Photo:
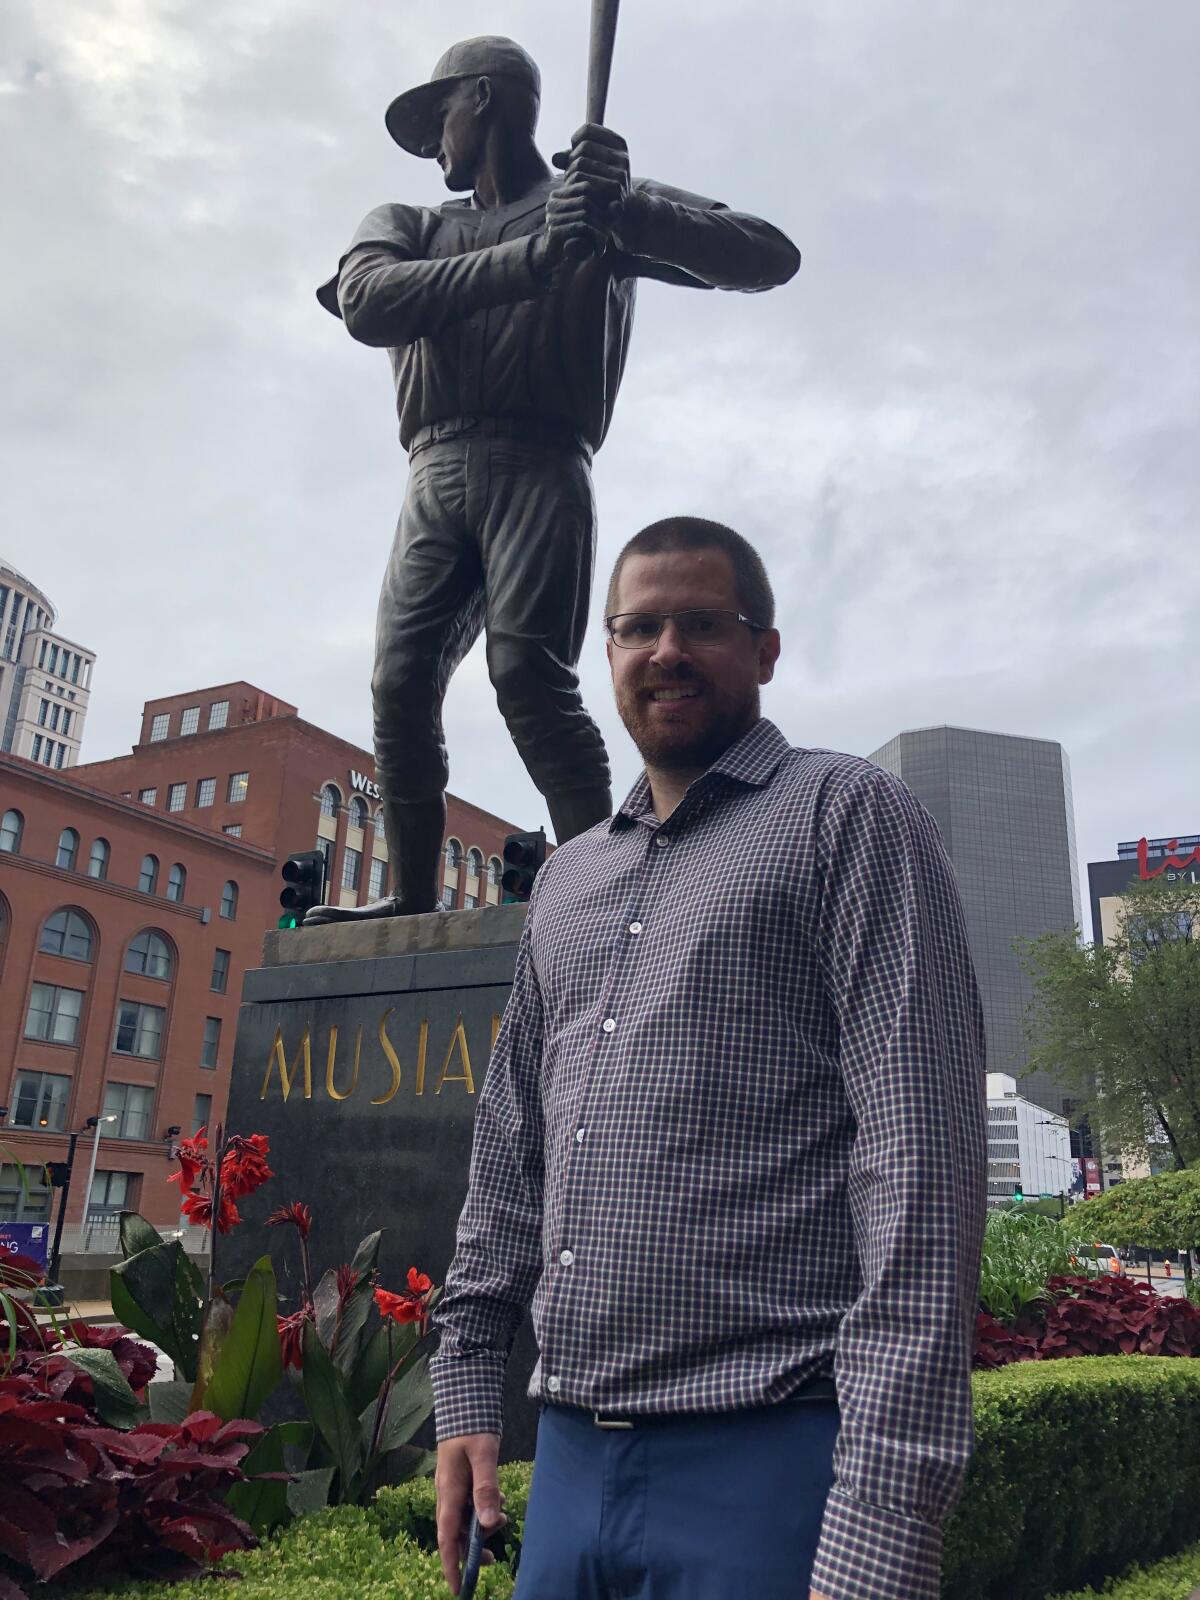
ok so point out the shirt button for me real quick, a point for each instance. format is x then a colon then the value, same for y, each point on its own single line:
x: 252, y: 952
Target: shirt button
x: 608, y: 1024
x: 554, y: 1384
x: 635, y: 927
x: 567, y: 1257
x: 579, y: 1135
x: 661, y: 840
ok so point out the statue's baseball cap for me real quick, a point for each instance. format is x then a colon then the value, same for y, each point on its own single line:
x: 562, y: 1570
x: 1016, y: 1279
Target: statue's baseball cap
x: 412, y: 116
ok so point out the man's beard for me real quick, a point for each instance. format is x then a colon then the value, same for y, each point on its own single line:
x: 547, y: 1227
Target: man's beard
x: 691, y: 746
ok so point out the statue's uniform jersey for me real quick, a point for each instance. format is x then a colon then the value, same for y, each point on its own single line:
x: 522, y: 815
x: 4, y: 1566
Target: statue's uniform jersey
x: 472, y: 331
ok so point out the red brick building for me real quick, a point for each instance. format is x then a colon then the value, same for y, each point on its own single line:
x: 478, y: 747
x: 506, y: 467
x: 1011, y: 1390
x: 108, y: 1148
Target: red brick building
x: 134, y: 894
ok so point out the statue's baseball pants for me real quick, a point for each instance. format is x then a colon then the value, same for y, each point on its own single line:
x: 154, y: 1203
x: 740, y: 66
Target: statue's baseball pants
x: 496, y: 534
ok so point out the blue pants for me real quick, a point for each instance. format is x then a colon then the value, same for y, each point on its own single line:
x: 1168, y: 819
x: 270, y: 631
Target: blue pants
x: 696, y: 1508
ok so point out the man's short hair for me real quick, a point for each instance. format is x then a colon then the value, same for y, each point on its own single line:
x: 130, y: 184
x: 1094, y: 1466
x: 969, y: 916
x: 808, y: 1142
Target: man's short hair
x: 754, y: 594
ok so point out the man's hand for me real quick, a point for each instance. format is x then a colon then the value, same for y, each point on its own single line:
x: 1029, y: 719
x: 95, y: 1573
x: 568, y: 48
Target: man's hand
x: 813, y: 1595
x: 596, y: 196
x: 466, y: 1477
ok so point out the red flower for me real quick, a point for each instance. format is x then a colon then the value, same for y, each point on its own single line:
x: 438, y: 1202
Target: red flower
x: 244, y: 1166
x: 193, y: 1160
x: 197, y: 1208
x: 298, y: 1214
x: 418, y: 1282
x: 347, y: 1280
x: 291, y: 1336
x: 400, y: 1307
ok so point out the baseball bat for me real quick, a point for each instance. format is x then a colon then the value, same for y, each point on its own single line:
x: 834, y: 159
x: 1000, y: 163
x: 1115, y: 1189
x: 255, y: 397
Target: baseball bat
x: 600, y: 58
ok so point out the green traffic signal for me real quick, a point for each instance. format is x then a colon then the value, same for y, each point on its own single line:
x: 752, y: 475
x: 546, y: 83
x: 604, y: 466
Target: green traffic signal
x: 1018, y: 1195
x: 286, y: 921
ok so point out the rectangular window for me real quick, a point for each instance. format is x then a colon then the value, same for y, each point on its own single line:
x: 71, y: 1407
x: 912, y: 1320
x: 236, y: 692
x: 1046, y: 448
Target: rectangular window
x: 41, y: 1101
x: 211, y: 1042
x: 50, y: 748
x: 148, y: 797
x: 24, y: 1202
x: 60, y: 755
x: 233, y: 829
x: 351, y: 869
x: 177, y: 797
x: 139, y: 1030
x: 53, y: 1013
x: 54, y: 717
x: 75, y: 666
x: 53, y: 663
x: 132, y: 1105
x: 201, y: 1112
x: 66, y: 722
x: 160, y: 727
x: 189, y: 720
x: 239, y: 782
x: 470, y: 901
x: 218, y: 714
x: 111, y: 1192
x: 206, y: 791
x: 43, y: 713
x: 220, y: 971
x: 375, y: 884
x: 37, y: 747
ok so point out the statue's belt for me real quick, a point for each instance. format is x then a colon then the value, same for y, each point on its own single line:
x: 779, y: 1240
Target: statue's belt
x: 550, y: 431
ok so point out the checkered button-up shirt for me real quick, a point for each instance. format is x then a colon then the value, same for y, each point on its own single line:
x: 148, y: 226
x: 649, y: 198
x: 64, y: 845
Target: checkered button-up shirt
x: 732, y: 1137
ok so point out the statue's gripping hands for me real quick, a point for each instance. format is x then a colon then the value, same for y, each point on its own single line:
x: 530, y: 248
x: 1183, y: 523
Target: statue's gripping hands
x: 507, y: 354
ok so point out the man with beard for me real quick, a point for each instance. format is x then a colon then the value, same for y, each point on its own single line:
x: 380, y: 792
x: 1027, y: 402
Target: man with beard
x: 731, y: 1146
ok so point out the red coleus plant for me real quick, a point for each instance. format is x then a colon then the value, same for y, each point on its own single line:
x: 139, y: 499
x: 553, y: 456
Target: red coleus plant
x: 79, y: 1497
x: 1103, y: 1316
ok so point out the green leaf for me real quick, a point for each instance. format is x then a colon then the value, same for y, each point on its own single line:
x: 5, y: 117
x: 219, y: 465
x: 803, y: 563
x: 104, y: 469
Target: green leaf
x: 116, y: 1402
x: 310, y: 1492
x: 137, y: 1234
x: 248, y: 1366
x: 325, y: 1300
x: 405, y: 1462
x: 331, y: 1413
x: 366, y: 1257
x: 262, y: 1502
x: 159, y: 1293
x: 375, y: 1362
x: 214, y: 1330
x: 409, y: 1402
x: 168, y: 1401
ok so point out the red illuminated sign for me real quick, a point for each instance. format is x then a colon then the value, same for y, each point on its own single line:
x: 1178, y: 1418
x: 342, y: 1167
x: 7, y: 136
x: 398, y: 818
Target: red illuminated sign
x: 1171, y: 860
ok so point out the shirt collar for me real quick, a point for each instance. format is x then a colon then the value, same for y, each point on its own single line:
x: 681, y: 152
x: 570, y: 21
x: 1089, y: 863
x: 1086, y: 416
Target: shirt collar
x: 751, y: 760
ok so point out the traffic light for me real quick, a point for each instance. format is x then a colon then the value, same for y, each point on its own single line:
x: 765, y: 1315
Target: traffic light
x: 304, y: 886
x: 524, y: 853
x: 59, y: 1173
x: 1018, y: 1195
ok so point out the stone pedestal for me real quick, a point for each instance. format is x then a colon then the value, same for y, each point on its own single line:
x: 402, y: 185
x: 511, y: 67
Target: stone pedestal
x: 361, y: 1049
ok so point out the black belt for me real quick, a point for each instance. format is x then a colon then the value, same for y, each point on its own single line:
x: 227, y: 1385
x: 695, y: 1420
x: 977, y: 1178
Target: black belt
x: 816, y: 1389
x: 527, y: 430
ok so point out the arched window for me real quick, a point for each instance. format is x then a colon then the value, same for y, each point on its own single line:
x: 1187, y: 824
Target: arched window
x: 474, y: 862
x: 66, y: 933
x: 380, y: 830
x: 12, y: 825
x: 229, y: 900
x: 148, y: 876
x: 453, y: 852
x: 176, y: 881
x: 358, y: 812
x: 150, y: 954
x: 98, y: 860
x: 68, y: 850
x: 331, y: 800
x: 495, y: 871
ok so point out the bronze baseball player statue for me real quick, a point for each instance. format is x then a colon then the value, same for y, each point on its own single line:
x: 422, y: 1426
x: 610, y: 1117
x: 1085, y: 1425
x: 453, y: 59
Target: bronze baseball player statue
x: 506, y: 316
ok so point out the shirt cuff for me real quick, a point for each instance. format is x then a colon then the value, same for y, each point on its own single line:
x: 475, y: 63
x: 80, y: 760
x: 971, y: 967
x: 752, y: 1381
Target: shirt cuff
x: 867, y: 1553
x: 468, y: 1394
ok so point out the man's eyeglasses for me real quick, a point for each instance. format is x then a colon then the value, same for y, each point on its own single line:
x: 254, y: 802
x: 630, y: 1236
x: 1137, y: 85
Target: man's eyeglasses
x: 640, y: 630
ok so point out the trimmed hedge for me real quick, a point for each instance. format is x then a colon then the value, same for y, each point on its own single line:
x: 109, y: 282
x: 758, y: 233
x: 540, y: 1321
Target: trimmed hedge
x: 1174, y: 1579
x: 1082, y: 1468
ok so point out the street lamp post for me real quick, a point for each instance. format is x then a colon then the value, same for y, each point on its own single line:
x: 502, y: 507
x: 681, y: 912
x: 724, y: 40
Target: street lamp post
x: 92, y: 1122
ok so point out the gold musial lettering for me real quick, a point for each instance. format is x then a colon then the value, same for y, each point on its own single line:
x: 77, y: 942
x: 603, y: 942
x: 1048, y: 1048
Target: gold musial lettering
x: 297, y: 1073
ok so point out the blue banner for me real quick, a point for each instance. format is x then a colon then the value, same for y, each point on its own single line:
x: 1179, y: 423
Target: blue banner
x: 26, y: 1239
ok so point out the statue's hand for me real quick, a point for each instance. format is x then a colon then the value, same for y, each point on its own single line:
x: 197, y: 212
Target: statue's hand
x: 597, y: 194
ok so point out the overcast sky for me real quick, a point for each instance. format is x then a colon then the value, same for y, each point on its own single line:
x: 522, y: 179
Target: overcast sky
x: 965, y: 437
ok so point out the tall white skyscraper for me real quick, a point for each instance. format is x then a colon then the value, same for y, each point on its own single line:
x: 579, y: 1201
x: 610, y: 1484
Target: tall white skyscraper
x: 45, y: 678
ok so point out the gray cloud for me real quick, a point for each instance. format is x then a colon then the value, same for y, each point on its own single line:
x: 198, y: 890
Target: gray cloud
x: 964, y: 437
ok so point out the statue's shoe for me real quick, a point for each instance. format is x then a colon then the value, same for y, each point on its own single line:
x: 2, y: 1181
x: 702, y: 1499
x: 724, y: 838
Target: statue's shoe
x: 390, y: 906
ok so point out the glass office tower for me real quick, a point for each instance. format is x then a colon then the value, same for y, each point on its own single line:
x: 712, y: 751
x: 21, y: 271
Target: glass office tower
x: 1004, y: 806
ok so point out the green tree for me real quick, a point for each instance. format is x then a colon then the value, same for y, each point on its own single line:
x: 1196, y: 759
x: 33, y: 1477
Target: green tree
x: 1161, y: 1213
x: 1119, y: 1023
